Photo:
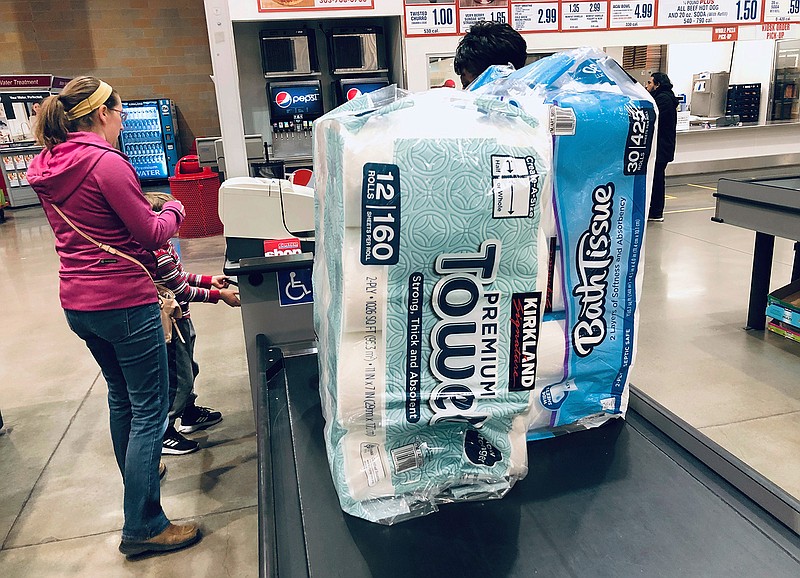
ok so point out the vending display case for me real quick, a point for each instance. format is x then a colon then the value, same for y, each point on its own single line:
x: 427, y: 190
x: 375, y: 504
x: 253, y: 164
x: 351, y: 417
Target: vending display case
x: 150, y: 138
x: 14, y: 162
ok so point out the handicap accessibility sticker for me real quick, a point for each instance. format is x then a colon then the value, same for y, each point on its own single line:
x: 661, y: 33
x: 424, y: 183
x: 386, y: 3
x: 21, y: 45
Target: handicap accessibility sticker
x: 294, y: 287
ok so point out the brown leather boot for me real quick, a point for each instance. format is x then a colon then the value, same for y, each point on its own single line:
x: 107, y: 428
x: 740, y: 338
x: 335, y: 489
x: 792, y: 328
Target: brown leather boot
x: 174, y: 537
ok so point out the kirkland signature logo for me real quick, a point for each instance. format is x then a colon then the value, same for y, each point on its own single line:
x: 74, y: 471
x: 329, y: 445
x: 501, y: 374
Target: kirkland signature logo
x: 284, y: 100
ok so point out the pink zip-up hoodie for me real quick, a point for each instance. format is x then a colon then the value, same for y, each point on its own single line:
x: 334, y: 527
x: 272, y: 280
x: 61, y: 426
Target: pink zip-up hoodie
x: 97, y: 188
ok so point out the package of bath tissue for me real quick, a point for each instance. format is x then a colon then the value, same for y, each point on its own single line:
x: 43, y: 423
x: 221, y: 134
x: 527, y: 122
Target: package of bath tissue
x: 602, y: 175
x: 428, y: 296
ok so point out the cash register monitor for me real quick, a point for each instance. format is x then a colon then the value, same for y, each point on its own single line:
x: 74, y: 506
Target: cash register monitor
x: 350, y: 88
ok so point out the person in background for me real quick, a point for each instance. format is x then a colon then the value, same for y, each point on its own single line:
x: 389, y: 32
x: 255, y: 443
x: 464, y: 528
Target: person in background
x: 108, y: 301
x: 183, y: 369
x: 37, y: 106
x: 660, y: 88
x: 485, y: 44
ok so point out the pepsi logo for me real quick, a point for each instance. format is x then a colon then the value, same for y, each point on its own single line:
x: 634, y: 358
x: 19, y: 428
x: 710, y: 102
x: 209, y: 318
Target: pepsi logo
x: 353, y: 93
x: 283, y: 99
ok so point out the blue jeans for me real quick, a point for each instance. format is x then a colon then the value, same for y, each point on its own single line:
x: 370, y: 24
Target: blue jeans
x: 129, y: 346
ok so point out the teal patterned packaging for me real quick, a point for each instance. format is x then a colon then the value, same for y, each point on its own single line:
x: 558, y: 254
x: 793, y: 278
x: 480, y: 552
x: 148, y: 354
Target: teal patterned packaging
x: 428, y: 294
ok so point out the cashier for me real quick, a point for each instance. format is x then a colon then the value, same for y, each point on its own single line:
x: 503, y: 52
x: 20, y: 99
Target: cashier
x: 485, y: 44
x: 660, y: 88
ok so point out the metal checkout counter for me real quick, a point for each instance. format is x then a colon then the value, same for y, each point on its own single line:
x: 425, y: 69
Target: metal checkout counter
x: 771, y: 208
x: 624, y: 499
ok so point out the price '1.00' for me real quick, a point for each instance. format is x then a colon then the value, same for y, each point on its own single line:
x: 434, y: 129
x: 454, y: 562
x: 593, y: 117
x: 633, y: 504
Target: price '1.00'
x: 443, y: 17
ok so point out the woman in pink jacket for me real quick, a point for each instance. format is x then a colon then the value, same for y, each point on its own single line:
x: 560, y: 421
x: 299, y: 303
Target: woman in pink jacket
x: 110, y: 302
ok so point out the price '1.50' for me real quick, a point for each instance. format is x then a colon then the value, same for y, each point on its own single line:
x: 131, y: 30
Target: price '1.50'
x: 746, y: 9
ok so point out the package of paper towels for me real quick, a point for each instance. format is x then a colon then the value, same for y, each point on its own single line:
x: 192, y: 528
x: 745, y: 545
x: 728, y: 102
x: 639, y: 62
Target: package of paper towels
x: 428, y: 296
x: 602, y: 174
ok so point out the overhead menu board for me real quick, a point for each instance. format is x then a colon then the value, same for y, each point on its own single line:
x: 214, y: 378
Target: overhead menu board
x: 430, y: 19
x: 536, y: 16
x: 455, y: 17
x: 584, y: 16
x: 288, y: 5
x: 781, y: 10
x: 708, y: 12
x: 631, y: 14
x: 470, y: 16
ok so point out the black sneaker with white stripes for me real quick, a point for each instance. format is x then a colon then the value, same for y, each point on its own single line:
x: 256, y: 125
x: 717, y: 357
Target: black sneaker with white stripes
x: 196, y: 417
x: 177, y: 445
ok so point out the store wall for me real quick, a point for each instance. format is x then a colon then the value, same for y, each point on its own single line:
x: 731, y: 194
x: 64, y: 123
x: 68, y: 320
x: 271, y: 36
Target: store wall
x: 143, y: 48
x: 748, y: 62
x: 686, y: 60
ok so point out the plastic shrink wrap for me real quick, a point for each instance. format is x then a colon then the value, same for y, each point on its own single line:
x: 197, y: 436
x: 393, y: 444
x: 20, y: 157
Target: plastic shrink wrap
x: 428, y: 295
x: 602, y: 175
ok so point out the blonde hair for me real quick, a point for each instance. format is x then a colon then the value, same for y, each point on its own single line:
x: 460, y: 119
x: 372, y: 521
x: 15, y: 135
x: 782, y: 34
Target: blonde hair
x: 157, y: 200
x: 52, y: 126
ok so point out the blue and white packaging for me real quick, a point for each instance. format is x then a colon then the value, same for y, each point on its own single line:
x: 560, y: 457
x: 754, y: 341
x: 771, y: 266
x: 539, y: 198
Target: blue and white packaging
x: 428, y: 296
x: 492, y: 74
x: 602, y: 176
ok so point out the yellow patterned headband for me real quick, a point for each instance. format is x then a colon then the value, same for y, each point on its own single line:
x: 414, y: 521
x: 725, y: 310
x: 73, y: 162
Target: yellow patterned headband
x: 87, y: 105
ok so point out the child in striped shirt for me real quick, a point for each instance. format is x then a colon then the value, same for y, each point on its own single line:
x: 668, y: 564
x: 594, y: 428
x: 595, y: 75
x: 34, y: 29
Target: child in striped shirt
x: 183, y: 369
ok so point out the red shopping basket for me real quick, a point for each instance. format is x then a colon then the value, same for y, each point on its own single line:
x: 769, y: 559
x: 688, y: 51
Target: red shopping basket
x: 198, y: 189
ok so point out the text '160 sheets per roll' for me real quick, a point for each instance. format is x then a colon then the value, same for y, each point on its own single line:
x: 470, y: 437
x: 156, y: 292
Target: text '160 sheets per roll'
x: 428, y: 298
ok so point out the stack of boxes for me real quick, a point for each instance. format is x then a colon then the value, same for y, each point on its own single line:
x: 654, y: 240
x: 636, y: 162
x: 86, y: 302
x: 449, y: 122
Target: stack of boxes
x: 783, y: 311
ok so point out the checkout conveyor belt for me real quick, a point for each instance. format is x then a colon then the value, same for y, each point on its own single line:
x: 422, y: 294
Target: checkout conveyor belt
x: 619, y: 500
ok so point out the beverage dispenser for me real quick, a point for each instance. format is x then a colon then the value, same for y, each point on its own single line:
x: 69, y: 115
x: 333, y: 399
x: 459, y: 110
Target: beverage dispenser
x: 293, y: 106
x: 357, y: 49
x: 350, y: 88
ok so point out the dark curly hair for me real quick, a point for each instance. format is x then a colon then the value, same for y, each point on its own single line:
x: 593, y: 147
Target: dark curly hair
x: 661, y: 79
x: 489, y: 43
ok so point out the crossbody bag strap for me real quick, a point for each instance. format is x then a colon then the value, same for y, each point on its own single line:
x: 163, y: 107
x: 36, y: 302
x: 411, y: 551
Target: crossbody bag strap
x: 105, y: 247
x: 113, y: 251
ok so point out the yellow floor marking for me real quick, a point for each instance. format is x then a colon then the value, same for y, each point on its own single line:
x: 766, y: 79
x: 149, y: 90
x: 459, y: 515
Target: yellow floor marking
x: 691, y: 210
x: 701, y: 187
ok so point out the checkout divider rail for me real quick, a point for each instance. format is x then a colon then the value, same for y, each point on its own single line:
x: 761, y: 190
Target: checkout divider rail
x: 277, y: 471
x: 314, y: 538
x: 776, y: 501
x: 270, y: 370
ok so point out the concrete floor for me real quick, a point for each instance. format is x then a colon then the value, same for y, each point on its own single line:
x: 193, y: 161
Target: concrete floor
x: 740, y: 388
x: 60, y: 491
